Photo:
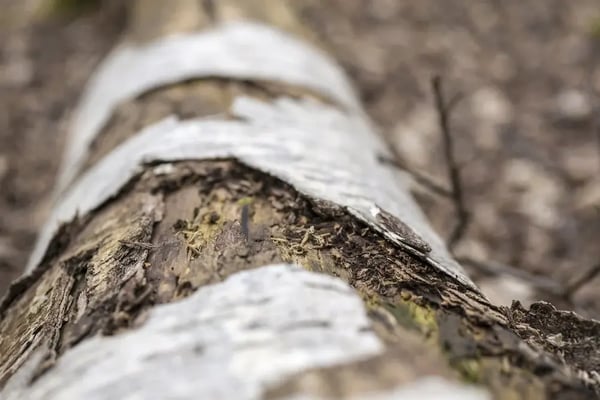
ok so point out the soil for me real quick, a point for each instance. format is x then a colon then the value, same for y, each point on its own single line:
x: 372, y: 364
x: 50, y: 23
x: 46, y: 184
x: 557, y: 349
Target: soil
x: 526, y: 131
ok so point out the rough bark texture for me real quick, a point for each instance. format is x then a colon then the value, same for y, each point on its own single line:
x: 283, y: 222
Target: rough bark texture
x: 172, y: 231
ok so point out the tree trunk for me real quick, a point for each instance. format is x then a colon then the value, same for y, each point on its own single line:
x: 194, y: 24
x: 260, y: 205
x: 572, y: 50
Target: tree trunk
x: 203, y: 168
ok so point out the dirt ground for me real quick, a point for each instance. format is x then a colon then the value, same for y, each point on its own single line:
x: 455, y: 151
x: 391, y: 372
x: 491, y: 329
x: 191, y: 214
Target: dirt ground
x: 526, y: 133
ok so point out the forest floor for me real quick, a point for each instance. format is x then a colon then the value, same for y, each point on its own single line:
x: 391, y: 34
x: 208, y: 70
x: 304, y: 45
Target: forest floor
x: 526, y: 132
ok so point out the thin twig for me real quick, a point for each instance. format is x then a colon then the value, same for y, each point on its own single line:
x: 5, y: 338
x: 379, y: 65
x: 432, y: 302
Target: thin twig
x: 419, y: 177
x: 596, y: 127
x: 453, y: 102
x: 541, y: 283
x: 577, y: 283
x: 491, y: 267
x: 443, y: 110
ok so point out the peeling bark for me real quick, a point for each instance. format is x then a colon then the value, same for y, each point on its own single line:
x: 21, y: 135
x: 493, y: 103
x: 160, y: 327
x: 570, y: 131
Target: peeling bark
x: 182, y: 229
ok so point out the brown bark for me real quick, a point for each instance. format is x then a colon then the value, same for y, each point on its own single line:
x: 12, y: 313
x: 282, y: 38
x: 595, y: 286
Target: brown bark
x: 166, y: 235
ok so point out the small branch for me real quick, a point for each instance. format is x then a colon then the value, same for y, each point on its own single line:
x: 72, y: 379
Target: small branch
x: 496, y: 268
x: 596, y: 123
x: 596, y: 127
x: 443, y: 110
x: 421, y: 178
x: 541, y: 283
x: 577, y: 283
x: 453, y: 102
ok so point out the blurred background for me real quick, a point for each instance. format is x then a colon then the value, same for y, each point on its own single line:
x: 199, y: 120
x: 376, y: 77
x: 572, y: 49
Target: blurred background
x: 526, y: 133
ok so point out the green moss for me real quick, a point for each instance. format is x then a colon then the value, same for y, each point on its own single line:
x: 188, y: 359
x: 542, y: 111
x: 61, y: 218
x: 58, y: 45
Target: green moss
x: 413, y: 316
x: 245, y: 201
x: 469, y: 369
x: 594, y: 28
x: 67, y: 8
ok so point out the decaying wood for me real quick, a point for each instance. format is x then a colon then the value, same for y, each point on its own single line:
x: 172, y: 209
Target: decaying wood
x: 172, y: 231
